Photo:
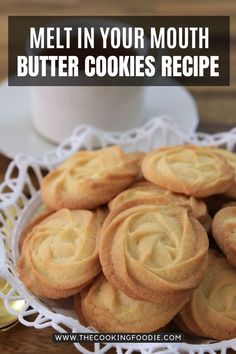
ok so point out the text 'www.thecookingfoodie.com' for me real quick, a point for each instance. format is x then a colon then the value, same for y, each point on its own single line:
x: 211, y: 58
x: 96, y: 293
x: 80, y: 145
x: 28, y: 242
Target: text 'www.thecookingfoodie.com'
x: 117, y: 337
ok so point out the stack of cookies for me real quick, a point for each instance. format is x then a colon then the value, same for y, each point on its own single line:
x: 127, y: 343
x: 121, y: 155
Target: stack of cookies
x: 128, y: 236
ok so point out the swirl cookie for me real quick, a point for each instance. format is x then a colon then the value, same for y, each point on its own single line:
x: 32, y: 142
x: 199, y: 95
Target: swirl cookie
x: 188, y: 169
x: 109, y: 310
x: 146, y: 190
x: 153, y: 253
x: 36, y: 220
x: 89, y: 179
x: 211, y: 311
x: 231, y: 159
x: 60, y: 254
x: 224, y: 232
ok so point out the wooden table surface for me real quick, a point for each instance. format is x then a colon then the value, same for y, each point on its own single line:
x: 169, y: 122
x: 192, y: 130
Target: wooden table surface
x: 217, y: 105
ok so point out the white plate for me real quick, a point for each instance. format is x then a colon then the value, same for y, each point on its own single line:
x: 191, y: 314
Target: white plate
x: 17, y: 134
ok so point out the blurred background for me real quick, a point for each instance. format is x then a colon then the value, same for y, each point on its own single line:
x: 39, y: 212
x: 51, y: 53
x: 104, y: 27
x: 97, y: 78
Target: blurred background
x: 217, y: 105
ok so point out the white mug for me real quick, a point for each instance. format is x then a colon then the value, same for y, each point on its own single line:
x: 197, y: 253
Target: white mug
x: 57, y: 110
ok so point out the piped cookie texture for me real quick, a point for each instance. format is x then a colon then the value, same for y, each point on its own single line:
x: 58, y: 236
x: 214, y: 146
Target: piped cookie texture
x: 211, y: 311
x: 224, y: 232
x: 153, y: 253
x: 188, y: 169
x: 109, y: 310
x: 230, y: 157
x: 141, y: 259
x: 89, y: 179
x: 36, y: 220
x: 60, y: 254
x: 146, y: 191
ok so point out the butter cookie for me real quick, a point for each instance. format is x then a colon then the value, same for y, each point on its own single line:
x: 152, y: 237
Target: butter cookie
x: 211, y: 311
x: 146, y: 190
x: 188, y: 169
x: 224, y: 232
x: 60, y: 254
x: 231, y: 159
x: 109, y: 310
x: 153, y: 253
x: 89, y: 179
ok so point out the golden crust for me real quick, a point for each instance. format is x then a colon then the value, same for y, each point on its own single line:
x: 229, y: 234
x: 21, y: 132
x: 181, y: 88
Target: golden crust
x: 36, y: 220
x: 109, y: 310
x: 211, y: 311
x: 153, y: 253
x: 60, y: 254
x: 146, y: 190
x: 224, y: 232
x: 188, y: 169
x: 231, y: 159
x: 89, y: 179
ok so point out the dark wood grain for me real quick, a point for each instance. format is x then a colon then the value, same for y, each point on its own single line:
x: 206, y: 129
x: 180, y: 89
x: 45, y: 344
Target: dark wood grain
x: 217, y: 105
x: 20, y: 339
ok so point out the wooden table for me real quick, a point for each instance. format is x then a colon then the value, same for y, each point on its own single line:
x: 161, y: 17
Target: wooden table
x: 217, y: 105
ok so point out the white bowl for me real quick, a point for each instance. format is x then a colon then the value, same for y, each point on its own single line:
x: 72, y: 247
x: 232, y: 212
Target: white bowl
x: 15, y: 215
